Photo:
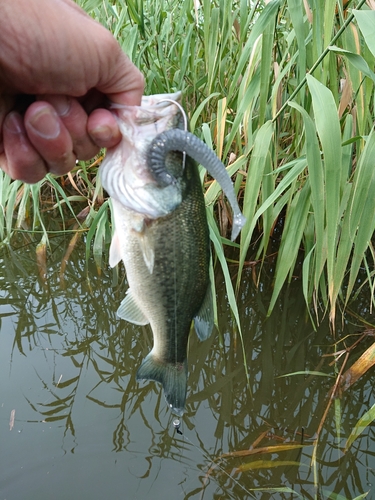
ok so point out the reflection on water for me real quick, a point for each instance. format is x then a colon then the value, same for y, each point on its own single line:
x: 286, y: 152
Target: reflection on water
x: 84, y: 428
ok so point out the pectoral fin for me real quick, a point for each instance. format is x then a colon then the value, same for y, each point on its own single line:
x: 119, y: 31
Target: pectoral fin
x: 115, y: 251
x: 130, y: 311
x: 145, y: 241
x: 204, y: 320
x: 147, y: 252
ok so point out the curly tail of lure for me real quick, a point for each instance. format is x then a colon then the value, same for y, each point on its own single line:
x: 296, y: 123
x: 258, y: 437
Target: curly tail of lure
x: 185, y: 142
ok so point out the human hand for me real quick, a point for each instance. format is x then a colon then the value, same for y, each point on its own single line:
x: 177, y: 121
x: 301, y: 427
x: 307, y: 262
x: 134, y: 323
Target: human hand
x: 58, y: 68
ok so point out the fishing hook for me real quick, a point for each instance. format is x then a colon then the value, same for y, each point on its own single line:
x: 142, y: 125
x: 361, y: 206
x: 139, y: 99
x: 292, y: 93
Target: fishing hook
x: 184, y: 117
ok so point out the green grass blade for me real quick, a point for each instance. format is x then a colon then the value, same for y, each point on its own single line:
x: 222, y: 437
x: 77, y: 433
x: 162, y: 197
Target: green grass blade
x: 198, y: 111
x: 307, y: 372
x: 216, y: 240
x: 101, y: 237
x: 297, y: 167
x: 316, y: 179
x: 362, y: 424
x: 331, y: 495
x: 214, y: 190
x: 366, y: 23
x: 361, y: 212
x: 295, y: 223
x: 24, y: 205
x: 358, y: 62
x: 265, y: 69
x: 297, y: 15
x: 59, y: 191
x: 243, y: 118
x: 328, y: 127
x: 10, y: 206
x: 97, y: 220
x: 266, y: 17
x: 255, y: 175
x: 4, y: 190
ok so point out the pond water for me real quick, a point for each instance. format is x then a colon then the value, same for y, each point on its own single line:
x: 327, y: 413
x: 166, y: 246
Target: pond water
x: 74, y: 422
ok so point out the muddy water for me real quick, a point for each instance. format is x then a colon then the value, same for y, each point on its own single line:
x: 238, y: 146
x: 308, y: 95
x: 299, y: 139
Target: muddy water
x: 74, y: 422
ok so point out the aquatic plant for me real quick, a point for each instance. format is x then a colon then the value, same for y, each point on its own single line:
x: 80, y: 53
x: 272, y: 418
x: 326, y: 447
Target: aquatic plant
x: 283, y: 92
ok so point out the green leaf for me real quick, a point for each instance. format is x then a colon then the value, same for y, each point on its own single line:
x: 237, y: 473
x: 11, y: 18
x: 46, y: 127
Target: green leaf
x: 297, y: 14
x: 362, y: 424
x: 357, y: 61
x: 328, y: 127
x: 267, y: 464
x: 366, y: 23
x: 318, y: 193
x: 362, y: 209
x: 214, y: 190
x: 199, y: 109
x: 94, y: 225
x: 216, y: 240
x: 295, y: 222
x: 266, y: 16
x: 296, y: 169
x: 307, y: 372
x: 331, y: 495
x: 255, y: 173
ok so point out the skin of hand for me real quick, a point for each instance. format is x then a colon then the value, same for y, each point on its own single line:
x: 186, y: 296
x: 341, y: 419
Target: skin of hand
x: 58, y: 69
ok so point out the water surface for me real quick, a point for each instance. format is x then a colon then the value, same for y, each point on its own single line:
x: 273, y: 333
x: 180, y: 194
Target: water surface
x: 85, y: 428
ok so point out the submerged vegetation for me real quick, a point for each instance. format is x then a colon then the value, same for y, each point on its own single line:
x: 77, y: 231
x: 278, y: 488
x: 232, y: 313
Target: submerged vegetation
x: 283, y: 92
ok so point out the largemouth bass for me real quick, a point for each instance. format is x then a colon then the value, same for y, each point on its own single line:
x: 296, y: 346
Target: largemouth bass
x: 162, y: 236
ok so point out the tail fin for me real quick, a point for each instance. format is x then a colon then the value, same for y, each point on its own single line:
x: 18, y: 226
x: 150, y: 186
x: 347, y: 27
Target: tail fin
x: 172, y: 376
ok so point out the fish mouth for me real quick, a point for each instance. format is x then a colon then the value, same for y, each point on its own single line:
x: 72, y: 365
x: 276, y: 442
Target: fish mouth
x: 154, y: 111
x: 124, y: 173
x: 157, y: 113
x: 160, y: 100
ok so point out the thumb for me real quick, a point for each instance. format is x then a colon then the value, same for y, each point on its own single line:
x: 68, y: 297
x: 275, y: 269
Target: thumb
x: 125, y: 84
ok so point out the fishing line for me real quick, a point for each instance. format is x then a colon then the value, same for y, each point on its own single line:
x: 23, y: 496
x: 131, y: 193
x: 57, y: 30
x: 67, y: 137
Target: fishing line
x: 181, y: 110
x: 176, y: 421
x: 177, y: 426
x: 185, y: 121
x: 175, y: 312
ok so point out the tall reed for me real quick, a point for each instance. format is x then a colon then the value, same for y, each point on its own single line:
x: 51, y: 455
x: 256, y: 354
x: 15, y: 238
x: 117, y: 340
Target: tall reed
x: 283, y: 92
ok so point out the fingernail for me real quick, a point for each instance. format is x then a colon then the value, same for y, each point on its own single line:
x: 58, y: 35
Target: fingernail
x: 102, y: 133
x: 62, y: 104
x: 13, y: 123
x: 45, y: 123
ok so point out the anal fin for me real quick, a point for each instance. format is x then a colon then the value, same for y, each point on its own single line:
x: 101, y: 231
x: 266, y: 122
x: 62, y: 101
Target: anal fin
x: 204, y: 320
